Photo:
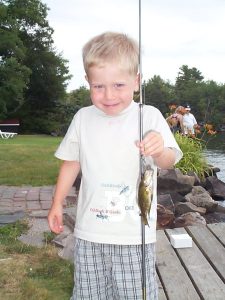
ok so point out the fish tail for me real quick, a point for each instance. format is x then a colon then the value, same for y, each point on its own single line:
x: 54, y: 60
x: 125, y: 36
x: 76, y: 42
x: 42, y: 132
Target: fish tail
x: 145, y: 219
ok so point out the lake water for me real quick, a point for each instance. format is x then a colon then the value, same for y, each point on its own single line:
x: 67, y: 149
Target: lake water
x: 215, y: 154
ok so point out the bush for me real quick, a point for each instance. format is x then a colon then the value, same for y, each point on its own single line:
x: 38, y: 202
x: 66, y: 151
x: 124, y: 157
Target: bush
x: 193, y: 159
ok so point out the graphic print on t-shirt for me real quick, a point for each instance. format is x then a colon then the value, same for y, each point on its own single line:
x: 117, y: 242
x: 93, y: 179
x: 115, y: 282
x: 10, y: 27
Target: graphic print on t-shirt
x: 118, y: 200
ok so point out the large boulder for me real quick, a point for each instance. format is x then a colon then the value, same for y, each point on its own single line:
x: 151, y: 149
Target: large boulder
x: 215, y: 187
x: 166, y: 201
x: 200, y: 197
x: 165, y: 217
x: 177, y: 197
x: 172, y: 180
x: 182, y: 208
x: 189, y: 219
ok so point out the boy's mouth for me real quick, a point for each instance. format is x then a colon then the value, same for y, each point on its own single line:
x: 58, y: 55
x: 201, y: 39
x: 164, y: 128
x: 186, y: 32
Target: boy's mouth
x: 111, y: 104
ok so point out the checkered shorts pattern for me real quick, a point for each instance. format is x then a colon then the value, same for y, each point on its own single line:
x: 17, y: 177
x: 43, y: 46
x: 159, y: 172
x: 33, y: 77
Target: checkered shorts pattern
x: 112, y: 272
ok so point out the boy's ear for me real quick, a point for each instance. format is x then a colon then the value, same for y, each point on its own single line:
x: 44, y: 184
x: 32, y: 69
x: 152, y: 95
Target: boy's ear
x: 86, y: 77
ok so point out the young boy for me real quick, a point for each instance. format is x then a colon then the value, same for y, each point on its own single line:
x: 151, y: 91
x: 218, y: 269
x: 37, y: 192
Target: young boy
x: 102, y: 141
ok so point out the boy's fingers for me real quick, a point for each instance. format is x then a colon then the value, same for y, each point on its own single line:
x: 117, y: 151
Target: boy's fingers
x: 55, y: 224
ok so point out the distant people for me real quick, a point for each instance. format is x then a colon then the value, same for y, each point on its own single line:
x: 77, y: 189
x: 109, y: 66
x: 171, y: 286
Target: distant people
x: 189, y: 122
x: 175, y: 121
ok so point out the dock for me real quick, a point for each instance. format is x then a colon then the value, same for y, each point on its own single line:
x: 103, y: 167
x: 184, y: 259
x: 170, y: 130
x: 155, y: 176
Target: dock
x: 197, y: 272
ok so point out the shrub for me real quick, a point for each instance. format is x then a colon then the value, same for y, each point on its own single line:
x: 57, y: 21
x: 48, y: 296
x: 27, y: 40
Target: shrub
x: 193, y: 159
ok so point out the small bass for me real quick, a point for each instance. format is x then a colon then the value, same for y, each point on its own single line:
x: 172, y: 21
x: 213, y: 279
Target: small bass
x: 145, y: 193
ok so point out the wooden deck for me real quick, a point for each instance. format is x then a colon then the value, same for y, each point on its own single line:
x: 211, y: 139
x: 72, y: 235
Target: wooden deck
x: 192, y: 273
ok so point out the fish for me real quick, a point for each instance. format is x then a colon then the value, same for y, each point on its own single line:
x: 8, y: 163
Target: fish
x: 145, y: 193
x: 124, y: 190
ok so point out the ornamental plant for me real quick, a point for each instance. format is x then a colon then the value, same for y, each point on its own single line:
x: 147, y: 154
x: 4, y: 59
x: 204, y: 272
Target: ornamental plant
x: 193, y: 158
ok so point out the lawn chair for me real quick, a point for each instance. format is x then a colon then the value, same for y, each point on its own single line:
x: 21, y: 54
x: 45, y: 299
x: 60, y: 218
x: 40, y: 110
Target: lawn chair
x: 6, y: 135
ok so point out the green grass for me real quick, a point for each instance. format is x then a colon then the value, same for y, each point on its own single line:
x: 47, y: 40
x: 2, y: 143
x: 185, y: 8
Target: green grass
x: 29, y: 160
x: 30, y: 273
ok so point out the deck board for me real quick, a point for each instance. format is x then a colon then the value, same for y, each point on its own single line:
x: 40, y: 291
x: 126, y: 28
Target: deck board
x: 175, y: 280
x: 192, y: 273
x: 213, y: 250
x: 219, y: 230
x: 162, y: 295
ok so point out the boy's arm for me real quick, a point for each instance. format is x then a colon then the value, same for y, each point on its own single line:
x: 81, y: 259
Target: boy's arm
x: 67, y: 175
x: 166, y: 159
x: 181, y: 125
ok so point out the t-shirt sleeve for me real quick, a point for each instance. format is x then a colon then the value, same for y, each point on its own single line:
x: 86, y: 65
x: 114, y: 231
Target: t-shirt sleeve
x: 69, y: 147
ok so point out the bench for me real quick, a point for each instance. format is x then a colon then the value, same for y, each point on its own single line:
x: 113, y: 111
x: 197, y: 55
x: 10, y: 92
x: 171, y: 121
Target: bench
x: 6, y: 135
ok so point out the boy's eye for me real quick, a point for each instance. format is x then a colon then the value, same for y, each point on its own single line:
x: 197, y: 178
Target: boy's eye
x: 119, y: 85
x: 97, y: 86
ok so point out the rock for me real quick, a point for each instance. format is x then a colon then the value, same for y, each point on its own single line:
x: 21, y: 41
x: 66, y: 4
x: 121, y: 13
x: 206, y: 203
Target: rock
x: 166, y: 201
x: 69, y: 217
x: 201, y: 198
x: 197, y: 179
x: 216, y: 217
x: 212, y: 171
x: 165, y: 217
x: 171, y: 180
x: 35, y: 234
x: 11, y: 218
x: 176, y: 197
x: 182, y: 208
x: 189, y: 219
x: 215, y: 187
x: 67, y: 252
x: 220, y: 208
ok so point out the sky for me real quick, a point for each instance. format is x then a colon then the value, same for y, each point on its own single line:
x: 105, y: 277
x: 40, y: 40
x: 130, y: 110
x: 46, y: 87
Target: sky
x: 173, y: 33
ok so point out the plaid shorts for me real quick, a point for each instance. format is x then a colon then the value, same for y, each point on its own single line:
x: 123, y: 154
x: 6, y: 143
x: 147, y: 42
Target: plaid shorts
x: 112, y: 272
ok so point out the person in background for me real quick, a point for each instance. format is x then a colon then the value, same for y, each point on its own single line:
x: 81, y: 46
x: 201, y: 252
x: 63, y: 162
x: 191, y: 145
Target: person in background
x: 189, y: 122
x: 175, y: 121
x: 103, y: 142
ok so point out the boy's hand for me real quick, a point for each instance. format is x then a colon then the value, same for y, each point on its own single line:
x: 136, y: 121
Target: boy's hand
x: 55, y: 218
x: 151, y: 145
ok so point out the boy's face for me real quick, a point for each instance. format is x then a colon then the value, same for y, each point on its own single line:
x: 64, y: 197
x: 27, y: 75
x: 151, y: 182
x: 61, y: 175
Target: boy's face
x: 111, y: 88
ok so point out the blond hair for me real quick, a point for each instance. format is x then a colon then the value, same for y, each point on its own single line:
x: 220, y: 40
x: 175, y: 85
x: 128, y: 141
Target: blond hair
x: 111, y: 47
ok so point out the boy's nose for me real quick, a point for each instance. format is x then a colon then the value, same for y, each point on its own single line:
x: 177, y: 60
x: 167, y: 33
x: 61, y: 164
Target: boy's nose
x: 109, y: 93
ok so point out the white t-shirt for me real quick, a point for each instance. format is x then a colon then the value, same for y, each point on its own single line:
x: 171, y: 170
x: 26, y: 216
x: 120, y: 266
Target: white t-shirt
x: 104, y: 145
x: 188, y: 122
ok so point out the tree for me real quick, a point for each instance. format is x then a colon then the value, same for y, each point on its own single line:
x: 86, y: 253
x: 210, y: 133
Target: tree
x: 79, y: 97
x: 159, y: 93
x: 14, y: 75
x: 187, y: 85
x: 46, y: 70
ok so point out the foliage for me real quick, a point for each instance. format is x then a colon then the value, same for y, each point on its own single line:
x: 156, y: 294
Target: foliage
x: 12, y: 231
x: 49, y: 237
x: 79, y: 97
x: 33, y: 76
x: 193, y: 159
x: 206, y: 98
x: 158, y: 93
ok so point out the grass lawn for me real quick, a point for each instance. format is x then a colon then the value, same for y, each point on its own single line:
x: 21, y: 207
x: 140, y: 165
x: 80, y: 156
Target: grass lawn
x: 30, y: 273
x: 29, y: 160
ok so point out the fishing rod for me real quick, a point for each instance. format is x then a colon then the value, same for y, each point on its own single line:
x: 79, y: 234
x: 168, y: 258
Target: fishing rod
x: 142, y: 164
